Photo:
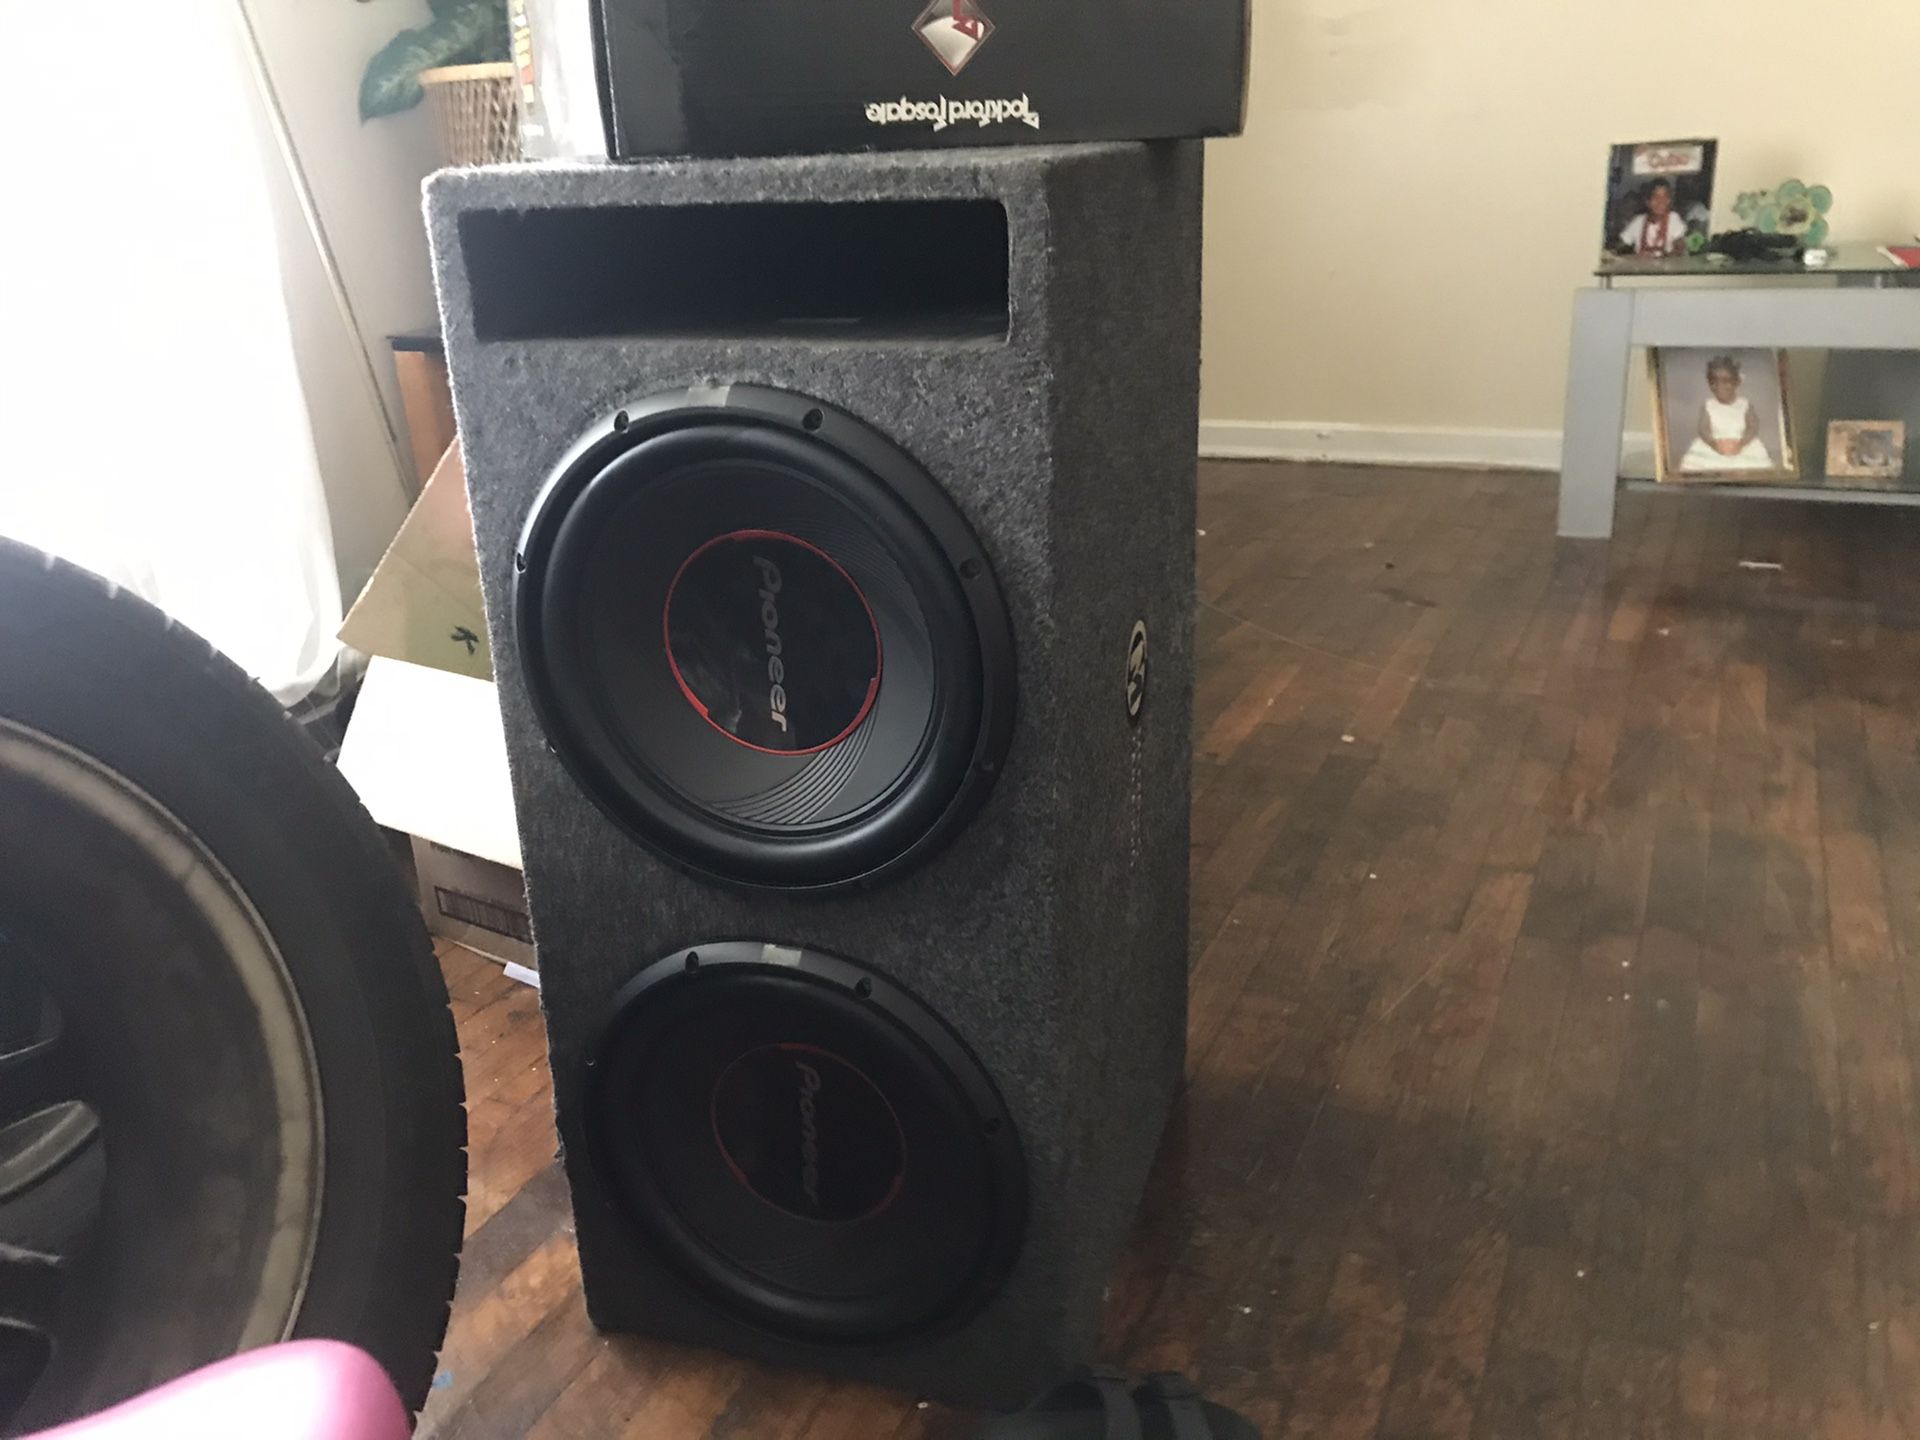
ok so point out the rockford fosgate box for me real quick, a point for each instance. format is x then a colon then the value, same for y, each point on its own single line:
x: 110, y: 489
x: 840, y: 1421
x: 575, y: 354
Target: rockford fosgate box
x: 764, y: 77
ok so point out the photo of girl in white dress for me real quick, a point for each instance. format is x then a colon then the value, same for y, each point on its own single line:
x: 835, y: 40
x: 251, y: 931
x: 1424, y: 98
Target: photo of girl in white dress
x: 1728, y: 437
x: 1722, y: 414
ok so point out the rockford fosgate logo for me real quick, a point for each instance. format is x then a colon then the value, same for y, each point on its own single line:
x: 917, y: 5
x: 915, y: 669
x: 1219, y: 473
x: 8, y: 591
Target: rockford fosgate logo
x: 809, y: 1132
x: 955, y: 31
x: 944, y: 112
x: 770, y: 619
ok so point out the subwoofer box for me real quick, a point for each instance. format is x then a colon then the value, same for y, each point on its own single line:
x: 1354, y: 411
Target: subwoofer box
x: 1023, y: 326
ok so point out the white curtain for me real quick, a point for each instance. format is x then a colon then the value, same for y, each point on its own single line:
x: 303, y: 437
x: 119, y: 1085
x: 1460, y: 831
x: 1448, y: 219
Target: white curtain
x: 152, y: 426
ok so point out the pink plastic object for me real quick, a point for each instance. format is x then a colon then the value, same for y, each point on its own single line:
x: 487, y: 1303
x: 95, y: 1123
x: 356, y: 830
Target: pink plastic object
x: 307, y: 1390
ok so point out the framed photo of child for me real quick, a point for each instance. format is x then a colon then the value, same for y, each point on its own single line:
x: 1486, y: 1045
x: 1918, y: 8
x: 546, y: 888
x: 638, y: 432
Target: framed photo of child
x: 1866, y: 454
x: 1659, y: 199
x: 1722, y: 414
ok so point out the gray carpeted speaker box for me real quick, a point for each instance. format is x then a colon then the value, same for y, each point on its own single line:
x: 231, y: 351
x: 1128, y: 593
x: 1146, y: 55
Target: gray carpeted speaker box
x: 1051, y: 932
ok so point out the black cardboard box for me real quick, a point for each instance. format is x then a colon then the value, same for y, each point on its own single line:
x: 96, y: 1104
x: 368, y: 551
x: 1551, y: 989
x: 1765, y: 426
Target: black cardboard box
x: 760, y: 77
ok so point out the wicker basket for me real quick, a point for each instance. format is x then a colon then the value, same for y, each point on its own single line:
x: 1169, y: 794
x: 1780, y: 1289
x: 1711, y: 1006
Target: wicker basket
x: 475, y: 112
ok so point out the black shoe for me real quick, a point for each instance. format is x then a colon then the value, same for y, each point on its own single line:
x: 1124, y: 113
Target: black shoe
x: 1096, y: 1404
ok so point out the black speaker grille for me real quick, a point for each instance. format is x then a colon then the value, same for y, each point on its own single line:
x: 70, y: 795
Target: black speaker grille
x: 807, y: 1142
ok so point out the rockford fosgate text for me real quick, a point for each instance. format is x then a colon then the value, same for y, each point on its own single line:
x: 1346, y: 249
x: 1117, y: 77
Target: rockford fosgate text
x: 944, y: 112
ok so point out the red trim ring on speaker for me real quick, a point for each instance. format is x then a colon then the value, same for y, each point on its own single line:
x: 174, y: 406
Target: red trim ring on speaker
x: 673, y: 664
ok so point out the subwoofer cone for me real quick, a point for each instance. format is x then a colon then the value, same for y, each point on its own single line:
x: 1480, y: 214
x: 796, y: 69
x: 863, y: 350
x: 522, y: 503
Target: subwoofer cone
x: 725, y: 655
x: 807, y: 1142
x: 764, y: 640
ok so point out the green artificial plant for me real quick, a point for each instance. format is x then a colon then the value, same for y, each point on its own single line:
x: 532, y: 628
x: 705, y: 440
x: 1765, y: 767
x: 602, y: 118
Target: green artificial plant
x: 461, y: 32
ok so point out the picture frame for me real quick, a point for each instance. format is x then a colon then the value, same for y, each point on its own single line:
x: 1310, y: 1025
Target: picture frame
x: 1659, y: 199
x: 1866, y: 454
x: 1722, y: 414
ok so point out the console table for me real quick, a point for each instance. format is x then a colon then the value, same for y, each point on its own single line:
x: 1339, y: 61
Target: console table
x: 1860, y: 301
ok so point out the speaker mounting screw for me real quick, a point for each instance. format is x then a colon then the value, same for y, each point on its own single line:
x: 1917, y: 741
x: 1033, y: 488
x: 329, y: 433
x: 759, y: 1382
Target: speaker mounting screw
x: 693, y: 961
x: 991, y: 1126
x: 520, y: 564
x: 813, y: 420
x: 864, y: 989
x: 970, y: 569
x: 620, y: 421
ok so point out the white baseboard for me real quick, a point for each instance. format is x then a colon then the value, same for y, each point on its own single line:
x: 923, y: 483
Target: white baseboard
x: 1348, y: 444
x: 1337, y: 443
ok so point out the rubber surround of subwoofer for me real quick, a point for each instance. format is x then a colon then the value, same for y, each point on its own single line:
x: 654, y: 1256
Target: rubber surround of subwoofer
x: 807, y: 1143
x: 763, y: 639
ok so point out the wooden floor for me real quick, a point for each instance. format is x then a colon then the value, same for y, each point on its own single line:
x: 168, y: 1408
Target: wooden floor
x: 1556, y: 996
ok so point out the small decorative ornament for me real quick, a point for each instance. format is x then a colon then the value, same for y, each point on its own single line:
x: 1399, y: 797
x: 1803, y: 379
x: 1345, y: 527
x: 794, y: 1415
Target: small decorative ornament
x: 1790, y: 208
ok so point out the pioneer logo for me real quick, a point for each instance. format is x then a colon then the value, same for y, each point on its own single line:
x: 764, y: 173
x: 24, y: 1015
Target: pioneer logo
x: 809, y: 1132
x: 770, y: 619
x: 944, y: 112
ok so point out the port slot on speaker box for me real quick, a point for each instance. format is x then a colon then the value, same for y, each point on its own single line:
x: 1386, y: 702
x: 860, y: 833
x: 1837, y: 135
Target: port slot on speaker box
x: 875, y: 270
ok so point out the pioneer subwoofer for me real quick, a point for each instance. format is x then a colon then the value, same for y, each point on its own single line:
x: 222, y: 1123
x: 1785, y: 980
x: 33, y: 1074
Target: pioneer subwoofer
x: 836, y: 526
x: 812, y: 1145
x: 707, y: 599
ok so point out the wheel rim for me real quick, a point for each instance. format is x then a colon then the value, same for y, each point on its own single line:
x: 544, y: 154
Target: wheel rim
x: 138, y: 984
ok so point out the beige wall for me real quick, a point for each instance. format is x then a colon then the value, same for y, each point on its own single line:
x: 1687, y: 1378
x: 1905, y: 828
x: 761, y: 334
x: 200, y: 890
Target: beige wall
x: 1394, y: 243
x: 1391, y: 248
x: 365, y: 183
